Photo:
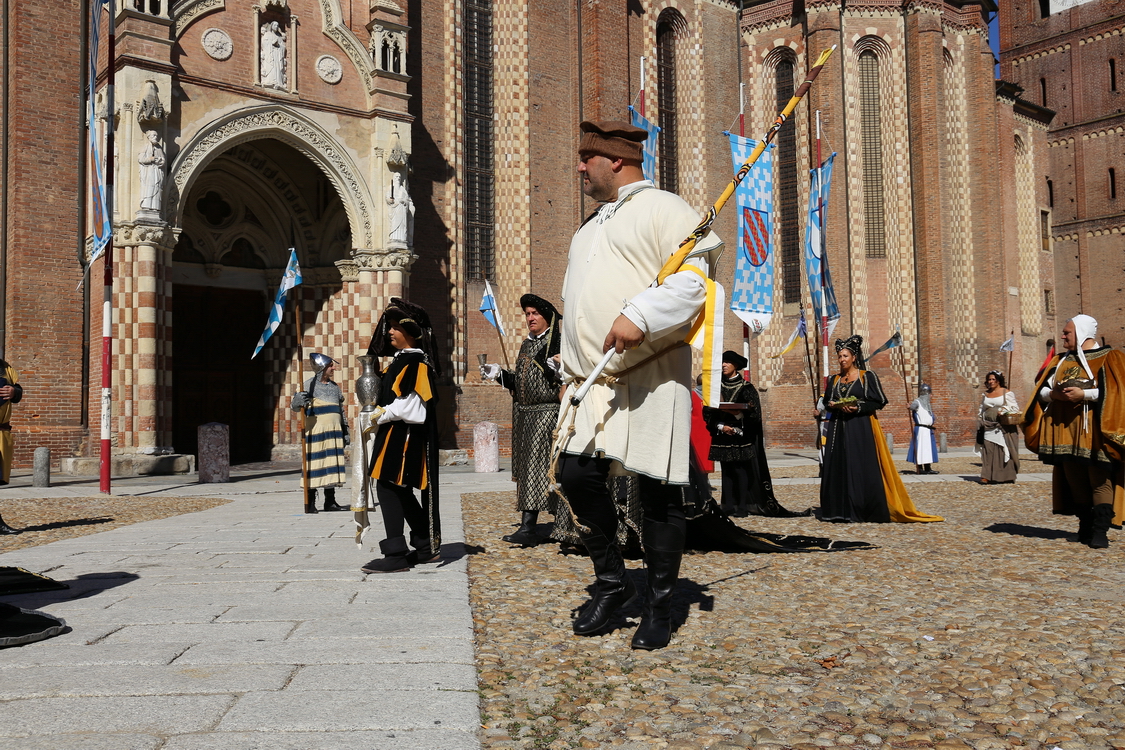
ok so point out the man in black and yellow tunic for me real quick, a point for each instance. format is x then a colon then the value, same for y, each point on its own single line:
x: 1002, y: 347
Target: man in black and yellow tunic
x: 1075, y: 421
x: 405, y: 449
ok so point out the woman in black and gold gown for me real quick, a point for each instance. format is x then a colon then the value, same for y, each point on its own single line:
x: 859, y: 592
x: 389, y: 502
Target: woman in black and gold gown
x: 859, y: 482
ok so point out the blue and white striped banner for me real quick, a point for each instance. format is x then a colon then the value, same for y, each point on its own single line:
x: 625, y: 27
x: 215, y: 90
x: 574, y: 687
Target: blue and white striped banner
x: 291, y: 279
x: 488, y: 307
x: 816, y: 265
x: 649, y: 163
x: 751, y: 296
x: 100, y: 214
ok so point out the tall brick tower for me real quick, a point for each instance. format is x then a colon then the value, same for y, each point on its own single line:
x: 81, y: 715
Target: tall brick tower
x: 1068, y: 55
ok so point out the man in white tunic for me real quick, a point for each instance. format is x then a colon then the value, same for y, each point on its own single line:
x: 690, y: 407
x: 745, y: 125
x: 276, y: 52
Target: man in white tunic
x: 637, y: 421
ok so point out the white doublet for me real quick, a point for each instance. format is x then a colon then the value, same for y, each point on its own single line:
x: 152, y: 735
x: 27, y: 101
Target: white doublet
x: 643, y: 421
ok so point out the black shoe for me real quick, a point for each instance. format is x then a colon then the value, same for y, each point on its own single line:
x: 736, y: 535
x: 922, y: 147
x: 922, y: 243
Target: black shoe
x: 331, y: 505
x: 613, y: 588
x: 423, y: 552
x: 1085, y: 525
x: 525, y: 535
x: 931, y: 471
x: 1102, y: 518
x: 6, y: 530
x: 309, y: 508
x: 394, y: 560
x: 664, y: 548
x: 310, y: 500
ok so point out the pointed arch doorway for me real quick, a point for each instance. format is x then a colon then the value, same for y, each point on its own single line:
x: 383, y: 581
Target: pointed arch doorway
x: 242, y: 214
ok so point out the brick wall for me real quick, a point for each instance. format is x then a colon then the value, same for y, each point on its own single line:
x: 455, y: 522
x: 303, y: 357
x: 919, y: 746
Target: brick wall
x: 43, y: 325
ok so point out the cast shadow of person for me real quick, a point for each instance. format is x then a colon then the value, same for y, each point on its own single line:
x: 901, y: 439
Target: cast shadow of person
x: 82, y: 587
x: 1033, y: 532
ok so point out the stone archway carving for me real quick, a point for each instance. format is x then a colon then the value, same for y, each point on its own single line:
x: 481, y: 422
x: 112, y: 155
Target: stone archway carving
x: 292, y: 129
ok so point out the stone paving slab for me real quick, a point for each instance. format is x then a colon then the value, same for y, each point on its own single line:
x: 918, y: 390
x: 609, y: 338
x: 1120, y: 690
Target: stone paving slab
x: 80, y: 742
x: 322, y: 740
x: 213, y: 632
x: 67, y: 681
x: 379, y: 709
x: 421, y: 676
x: 151, y: 714
x: 367, y: 650
x: 69, y: 650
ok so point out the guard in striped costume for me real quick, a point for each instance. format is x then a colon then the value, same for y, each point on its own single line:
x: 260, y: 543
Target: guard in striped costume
x: 406, y: 444
x: 326, y: 433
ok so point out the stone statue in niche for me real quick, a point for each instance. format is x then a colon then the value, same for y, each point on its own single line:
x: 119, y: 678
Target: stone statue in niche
x: 151, y: 161
x: 273, y: 55
x: 401, y: 233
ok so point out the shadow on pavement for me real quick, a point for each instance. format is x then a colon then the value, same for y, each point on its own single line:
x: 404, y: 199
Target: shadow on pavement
x: 1034, y: 532
x: 82, y: 587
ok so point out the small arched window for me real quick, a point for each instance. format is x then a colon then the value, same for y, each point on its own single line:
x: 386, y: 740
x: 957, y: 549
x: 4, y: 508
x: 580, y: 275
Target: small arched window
x: 1112, y: 184
x: 1112, y: 74
x: 1043, y: 91
x: 1050, y: 193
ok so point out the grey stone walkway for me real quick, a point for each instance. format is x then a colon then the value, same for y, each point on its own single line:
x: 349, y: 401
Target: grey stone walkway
x: 245, y: 626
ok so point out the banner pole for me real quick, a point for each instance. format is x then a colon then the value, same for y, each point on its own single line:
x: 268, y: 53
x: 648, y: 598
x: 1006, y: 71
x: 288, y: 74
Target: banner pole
x: 106, y: 458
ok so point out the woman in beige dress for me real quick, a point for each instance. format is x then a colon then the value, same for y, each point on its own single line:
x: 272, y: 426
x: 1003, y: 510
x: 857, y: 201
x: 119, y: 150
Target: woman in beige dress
x: 997, y: 444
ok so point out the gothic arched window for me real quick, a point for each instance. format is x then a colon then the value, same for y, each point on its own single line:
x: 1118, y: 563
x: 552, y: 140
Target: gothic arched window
x: 668, y: 142
x: 875, y: 241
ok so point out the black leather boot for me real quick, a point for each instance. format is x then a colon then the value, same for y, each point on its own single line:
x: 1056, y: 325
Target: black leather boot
x: 664, y: 548
x: 310, y: 501
x: 525, y: 535
x: 613, y: 589
x: 330, y: 500
x: 1085, y: 524
x: 423, y: 552
x: 1102, y: 518
x: 6, y: 530
x: 394, y: 559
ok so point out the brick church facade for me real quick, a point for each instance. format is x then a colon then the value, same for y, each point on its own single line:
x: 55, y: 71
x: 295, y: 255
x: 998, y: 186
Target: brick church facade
x: 419, y: 147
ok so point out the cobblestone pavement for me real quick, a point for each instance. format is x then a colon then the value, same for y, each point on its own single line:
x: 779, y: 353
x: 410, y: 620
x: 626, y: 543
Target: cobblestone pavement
x: 994, y: 629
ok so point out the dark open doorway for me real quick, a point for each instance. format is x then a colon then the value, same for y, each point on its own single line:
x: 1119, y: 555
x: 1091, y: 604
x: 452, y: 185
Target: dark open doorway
x: 214, y: 379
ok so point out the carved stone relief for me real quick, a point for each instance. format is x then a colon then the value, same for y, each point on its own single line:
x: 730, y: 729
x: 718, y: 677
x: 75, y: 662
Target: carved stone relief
x: 329, y: 69
x: 217, y: 44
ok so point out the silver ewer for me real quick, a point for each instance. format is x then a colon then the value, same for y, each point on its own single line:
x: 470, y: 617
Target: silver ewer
x: 367, y: 384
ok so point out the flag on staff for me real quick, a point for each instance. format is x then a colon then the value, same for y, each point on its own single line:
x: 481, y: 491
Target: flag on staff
x: 488, y: 307
x: 1009, y: 345
x: 816, y: 263
x: 751, y: 296
x: 648, y: 163
x: 801, y: 331
x: 892, y: 342
x: 100, y: 218
x: 291, y: 279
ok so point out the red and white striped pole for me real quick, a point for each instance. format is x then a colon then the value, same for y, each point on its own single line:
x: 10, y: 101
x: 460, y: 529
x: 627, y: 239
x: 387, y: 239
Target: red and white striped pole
x: 107, y: 259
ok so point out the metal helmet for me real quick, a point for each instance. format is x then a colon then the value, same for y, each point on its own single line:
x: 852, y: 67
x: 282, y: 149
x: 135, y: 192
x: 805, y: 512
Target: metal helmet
x: 320, y: 361
x: 924, y: 389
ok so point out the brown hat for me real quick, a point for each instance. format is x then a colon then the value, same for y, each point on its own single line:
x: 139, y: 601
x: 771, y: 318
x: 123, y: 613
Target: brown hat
x: 613, y: 139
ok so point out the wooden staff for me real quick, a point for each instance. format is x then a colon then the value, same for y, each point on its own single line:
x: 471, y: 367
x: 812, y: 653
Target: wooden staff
x: 812, y: 375
x: 1011, y: 352
x: 297, y: 300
